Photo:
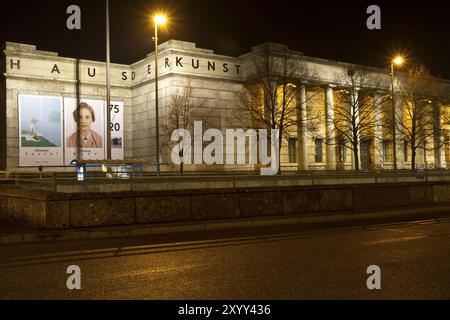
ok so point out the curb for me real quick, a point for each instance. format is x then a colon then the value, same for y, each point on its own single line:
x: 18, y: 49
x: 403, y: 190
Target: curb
x: 147, y: 230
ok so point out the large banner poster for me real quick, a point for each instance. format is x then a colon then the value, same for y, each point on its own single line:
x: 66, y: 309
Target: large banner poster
x: 91, y: 122
x: 40, y: 131
x: 116, y: 110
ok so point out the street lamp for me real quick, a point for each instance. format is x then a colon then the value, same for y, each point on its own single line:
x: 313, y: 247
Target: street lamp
x: 157, y: 20
x: 108, y: 87
x: 396, y: 61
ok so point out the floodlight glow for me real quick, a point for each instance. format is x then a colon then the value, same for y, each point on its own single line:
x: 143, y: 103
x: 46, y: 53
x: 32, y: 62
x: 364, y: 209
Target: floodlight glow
x: 160, y: 19
x: 398, y: 60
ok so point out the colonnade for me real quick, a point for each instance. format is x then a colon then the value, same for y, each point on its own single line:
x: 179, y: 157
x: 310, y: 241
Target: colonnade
x: 378, y: 139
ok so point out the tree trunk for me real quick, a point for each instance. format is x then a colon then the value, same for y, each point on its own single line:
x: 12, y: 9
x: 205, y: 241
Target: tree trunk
x: 355, y: 155
x: 181, y: 154
x: 413, y: 158
x: 413, y: 144
x: 355, y: 152
x: 280, y: 140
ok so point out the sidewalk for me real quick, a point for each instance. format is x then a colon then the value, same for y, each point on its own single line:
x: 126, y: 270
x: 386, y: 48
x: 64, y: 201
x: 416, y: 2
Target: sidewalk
x: 15, y: 233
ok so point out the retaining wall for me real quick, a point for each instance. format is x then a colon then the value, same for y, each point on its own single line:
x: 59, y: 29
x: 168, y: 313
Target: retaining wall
x: 49, y: 210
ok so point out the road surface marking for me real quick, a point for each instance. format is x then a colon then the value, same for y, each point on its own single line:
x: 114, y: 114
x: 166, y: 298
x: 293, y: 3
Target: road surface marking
x: 394, y: 240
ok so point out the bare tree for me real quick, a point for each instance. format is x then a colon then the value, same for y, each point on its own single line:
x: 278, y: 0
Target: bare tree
x: 355, y: 111
x: 416, y: 122
x: 182, y: 112
x: 269, y: 99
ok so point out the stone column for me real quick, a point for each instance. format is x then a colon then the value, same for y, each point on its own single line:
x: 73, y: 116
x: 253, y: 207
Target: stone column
x: 302, y: 131
x: 330, y: 134
x: 271, y: 100
x: 378, y: 131
x: 400, y: 139
x: 437, y: 137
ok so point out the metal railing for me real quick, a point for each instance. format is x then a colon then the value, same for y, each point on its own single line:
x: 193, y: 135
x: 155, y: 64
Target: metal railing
x: 51, y: 180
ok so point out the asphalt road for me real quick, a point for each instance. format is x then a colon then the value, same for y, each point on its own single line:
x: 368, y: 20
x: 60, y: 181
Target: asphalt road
x: 269, y: 263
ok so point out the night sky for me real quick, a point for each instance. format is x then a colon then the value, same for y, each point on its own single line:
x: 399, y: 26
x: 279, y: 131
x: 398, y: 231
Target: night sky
x: 333, y: 30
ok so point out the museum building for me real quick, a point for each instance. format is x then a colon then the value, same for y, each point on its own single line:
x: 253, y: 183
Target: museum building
x: 40, y: 93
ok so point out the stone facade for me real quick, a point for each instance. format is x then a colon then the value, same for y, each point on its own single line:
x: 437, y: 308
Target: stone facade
x: 214, y: 80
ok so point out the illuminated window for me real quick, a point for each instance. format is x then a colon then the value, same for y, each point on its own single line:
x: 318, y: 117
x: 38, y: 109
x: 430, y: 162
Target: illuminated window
x: 406, y: 150
x: 319, y: 151
x: 388, y: 151
x: 447, y: 149
x: 341, y: 150
x: 292, y: 150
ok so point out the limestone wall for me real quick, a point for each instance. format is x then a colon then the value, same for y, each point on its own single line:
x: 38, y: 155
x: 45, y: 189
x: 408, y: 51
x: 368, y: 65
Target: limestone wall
x: 214, y: 79
x: 33, y: 72
x: 57, y: 211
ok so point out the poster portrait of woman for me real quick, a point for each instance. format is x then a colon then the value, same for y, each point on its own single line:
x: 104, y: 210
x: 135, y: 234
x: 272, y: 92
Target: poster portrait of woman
x: 84, y: 116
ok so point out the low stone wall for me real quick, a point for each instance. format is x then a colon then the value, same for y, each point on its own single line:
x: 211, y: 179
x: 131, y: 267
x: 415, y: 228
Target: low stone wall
x: 59, y: 210
x: 141, y: 184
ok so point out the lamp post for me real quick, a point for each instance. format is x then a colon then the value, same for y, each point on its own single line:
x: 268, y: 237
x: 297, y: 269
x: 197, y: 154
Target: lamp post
x: 397, y: 61
x: 108, y: 87
x: 157, y: 20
